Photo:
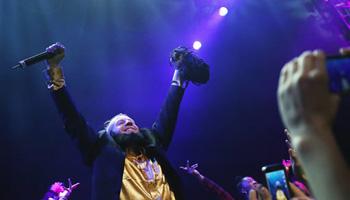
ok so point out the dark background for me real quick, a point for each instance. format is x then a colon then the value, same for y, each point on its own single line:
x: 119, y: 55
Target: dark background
x: 117, y: 54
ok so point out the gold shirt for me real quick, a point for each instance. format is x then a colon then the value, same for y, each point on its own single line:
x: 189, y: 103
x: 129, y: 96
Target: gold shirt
x: 143, y: 179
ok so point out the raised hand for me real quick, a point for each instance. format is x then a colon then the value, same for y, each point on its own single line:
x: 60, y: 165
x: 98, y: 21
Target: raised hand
x: 58, y: 50
x: 308, y: 110
x: 67, y: 191
x: 305, y: 102
x: 190, y: 169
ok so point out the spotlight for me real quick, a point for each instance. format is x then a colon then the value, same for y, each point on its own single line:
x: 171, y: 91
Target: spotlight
x: 223, y: 11
x: 197, y: 45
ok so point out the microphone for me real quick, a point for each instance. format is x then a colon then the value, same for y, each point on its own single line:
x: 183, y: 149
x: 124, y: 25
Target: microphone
x: 33, y: 59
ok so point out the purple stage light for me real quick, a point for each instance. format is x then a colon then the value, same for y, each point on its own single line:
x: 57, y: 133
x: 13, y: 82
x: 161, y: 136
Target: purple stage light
x: 197, y: 45
x: 223, y: 11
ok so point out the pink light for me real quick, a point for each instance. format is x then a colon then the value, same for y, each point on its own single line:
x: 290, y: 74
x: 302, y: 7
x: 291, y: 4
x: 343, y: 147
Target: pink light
x: 197, y: 45
x: 223, y: 11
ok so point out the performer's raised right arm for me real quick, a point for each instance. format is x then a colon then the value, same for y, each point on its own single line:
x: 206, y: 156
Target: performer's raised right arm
x: 206, y: 182
x: 74, y: 123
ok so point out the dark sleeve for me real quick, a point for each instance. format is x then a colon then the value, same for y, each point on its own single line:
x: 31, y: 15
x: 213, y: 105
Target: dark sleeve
x: 75, y: 125
x: 213, y: 187
x: 165, y: 124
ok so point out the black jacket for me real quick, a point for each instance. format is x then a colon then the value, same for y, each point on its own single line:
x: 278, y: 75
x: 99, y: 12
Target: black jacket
x: 105, y: 157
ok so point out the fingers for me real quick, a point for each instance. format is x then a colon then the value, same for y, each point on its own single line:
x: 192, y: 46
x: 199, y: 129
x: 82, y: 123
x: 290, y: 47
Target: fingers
x: 69, y: 183
x: 57, y: 51
x: 194, y: 166
x: 296, y: 191
x: 58, y: 83
x: 293, y: 157
x: 288, y: 141
x: 320, y: 60
x: 291, y: 153
x: 184, y: 168
x: 287, y: 134
x: 301, y: 198
x: 262, y: 192
x: 56, y: 48
x: 286, y: 77
x: 301, y: 81
x: 289, y: 144
x: 75, y: 186
x: 306, y: 61
x: 265, y: 193
x: 285, y: 74
x: 253, y: 195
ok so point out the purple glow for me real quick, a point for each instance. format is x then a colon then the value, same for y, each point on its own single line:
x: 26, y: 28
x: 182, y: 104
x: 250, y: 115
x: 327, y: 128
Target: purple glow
x: 223, y: 11
x: 197, y: 45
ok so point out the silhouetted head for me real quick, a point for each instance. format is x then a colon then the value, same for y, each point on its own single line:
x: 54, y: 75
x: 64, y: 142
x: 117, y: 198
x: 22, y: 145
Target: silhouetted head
x: 246, y: 184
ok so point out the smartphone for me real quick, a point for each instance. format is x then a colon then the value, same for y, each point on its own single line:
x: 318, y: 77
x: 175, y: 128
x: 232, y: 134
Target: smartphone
x: 338, y: 68
x: 277, y: 181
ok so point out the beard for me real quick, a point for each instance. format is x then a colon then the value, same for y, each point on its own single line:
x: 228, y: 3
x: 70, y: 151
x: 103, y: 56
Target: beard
x: 133, y: 141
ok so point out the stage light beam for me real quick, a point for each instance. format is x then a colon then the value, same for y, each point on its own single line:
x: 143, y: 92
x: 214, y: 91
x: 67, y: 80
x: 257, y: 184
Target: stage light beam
x: 223, y: 11
x: 197, y: 45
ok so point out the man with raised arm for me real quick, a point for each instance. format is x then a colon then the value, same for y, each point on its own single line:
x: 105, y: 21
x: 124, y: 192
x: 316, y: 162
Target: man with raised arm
x: 128, y: 162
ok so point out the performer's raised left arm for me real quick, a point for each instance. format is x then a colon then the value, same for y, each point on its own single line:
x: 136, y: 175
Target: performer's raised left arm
x: 188, y: 67
x: 164, y: 126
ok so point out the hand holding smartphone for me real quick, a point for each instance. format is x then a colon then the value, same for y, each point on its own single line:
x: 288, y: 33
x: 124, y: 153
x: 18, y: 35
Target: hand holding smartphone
x: 277, y: 181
